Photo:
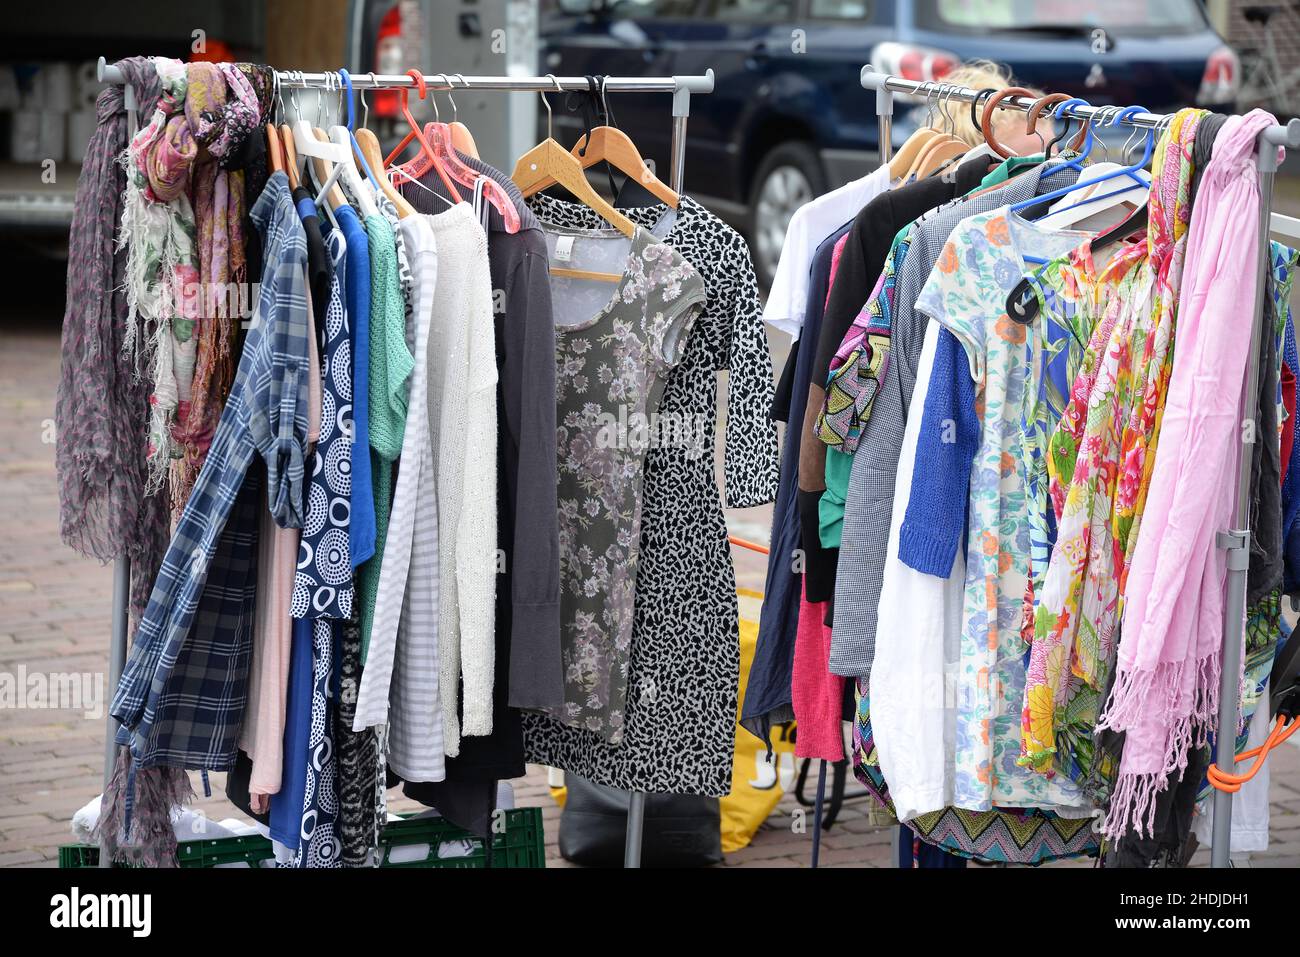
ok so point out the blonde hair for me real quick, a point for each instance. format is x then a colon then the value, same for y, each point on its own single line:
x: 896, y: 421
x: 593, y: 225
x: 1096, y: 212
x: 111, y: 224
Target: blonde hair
x: 955, y: 117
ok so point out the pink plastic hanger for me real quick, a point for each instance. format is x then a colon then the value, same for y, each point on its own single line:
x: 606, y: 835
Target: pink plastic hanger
x: 426, y: 149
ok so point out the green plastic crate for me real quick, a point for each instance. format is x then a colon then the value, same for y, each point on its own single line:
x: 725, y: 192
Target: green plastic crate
x: 414, y: 840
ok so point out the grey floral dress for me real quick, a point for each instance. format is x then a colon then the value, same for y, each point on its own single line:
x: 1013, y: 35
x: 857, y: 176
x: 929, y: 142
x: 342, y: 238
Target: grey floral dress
x: 680, y: 729
x: 610, y: 375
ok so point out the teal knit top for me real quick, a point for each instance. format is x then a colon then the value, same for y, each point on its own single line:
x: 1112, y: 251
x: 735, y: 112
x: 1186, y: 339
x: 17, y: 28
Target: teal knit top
x: 391, y: 364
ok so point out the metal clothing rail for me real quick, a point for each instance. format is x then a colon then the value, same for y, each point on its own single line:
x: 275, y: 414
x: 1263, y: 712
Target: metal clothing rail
x: 1234, y: 541
x: 681, y: 87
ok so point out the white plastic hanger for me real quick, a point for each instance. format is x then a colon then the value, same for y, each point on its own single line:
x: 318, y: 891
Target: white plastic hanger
x: 340, y: 156
x: 1089, y: 200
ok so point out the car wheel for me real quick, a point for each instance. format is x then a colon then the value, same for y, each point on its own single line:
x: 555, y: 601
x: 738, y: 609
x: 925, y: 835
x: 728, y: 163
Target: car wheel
x: 789, y: 176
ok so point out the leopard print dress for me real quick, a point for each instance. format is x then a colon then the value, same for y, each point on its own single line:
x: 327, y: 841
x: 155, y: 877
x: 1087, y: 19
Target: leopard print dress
x: 685, y: 659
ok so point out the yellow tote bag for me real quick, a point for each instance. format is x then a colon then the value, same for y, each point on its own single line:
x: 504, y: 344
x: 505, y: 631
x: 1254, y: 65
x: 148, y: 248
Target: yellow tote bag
x: 756, y: 786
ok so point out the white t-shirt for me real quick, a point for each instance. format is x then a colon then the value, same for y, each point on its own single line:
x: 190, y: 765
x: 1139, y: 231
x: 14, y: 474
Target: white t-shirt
x: 809, y: 227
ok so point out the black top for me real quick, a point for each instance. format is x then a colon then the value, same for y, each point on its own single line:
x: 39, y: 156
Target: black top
x: 318, y: 264
x: 870, y: 237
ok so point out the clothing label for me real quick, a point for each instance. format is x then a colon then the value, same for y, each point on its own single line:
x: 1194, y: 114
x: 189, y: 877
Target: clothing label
x: 564, y: 249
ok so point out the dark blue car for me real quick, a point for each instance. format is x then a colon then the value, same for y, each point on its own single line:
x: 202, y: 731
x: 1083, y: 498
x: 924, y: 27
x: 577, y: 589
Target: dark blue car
x: 788, y: 119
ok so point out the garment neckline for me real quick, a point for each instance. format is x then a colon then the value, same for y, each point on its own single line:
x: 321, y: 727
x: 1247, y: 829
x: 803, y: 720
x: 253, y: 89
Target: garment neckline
x: 640, y: 239
x: 645, y: 217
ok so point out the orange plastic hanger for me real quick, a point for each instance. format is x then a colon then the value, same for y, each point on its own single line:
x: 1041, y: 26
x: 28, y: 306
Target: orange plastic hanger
x: 425, y: 148
x: 1283, y: 728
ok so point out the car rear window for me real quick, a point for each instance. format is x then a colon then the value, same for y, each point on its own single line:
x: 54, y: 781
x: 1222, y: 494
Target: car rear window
x: 1061, y: 16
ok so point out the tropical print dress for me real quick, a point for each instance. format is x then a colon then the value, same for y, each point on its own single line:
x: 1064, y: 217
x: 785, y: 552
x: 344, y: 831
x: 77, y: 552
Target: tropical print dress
x: 1075, y: 624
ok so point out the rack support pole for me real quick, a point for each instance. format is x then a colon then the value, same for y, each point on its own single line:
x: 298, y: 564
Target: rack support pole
x: 681, y: 113
x: 1236, y: 541
x: 817, y: 812
x: 885, y: 111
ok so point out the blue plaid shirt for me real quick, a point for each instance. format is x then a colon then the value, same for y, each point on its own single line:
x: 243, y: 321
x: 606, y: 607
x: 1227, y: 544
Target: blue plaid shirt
x: 181, y: 697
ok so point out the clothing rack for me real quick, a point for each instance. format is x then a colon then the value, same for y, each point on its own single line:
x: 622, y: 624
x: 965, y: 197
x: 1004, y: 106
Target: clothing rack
x: 1234, y: 541
x: 681, y: 88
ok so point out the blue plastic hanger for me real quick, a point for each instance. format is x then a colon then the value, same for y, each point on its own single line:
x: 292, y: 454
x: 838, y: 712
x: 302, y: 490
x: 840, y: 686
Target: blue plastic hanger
x: 1129, y: 171
x: 1132, y: 172
x: 347, y: 84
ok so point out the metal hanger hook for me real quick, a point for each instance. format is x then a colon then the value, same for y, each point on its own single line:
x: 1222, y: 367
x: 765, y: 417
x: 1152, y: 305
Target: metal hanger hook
x: 437, y: 113
x: 455, y: 113
x: 945, y: 107
x: 277, y: 96
x: 365, y: 107
x: 547, y: 103
x: 1126, y: 114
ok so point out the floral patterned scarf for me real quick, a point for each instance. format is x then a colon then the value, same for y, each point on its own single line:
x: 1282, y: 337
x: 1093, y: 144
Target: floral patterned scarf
x: 218, y: 118
x: 159, y: 235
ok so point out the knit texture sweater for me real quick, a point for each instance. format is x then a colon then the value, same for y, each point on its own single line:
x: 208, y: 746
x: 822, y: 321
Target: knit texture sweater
x: 935, y: 523
x: 390, y: 381
x: 462, y: 402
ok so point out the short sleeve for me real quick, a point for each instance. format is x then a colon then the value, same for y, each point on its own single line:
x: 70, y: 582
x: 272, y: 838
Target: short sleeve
x: 673, y: 314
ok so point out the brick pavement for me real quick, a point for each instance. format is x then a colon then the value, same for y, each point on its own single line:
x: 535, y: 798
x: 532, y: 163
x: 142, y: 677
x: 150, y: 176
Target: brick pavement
x: 54, y: 610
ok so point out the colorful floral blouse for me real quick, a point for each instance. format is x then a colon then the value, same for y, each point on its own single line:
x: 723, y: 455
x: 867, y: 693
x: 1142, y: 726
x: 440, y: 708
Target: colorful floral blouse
x: 1075, y: 623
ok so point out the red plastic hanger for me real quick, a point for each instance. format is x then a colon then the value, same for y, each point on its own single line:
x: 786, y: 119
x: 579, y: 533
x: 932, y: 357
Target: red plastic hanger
x: 425, y: 148
x: 441, y: 136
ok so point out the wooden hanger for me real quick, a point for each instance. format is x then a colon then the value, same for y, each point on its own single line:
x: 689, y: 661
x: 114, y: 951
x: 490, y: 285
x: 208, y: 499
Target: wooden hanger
x: 986, y: 120
x: 909, y: 152
x: 611, y: 145
x: 291, y: 166
x: 367, y: 146
x: 374, y: 157
x: 274, y: 152
x: 585, y: 274
x: 941, y: 148
x: 938, y: 153
x: 548, y: 161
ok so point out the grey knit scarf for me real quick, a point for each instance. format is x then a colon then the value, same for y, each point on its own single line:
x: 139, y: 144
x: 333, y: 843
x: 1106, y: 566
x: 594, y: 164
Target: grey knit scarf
x: 102, y: 406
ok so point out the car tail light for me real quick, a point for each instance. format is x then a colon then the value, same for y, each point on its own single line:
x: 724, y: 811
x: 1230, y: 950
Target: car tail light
x: 388, y: 59
x: 913, y: 62
x: 1222, y: 78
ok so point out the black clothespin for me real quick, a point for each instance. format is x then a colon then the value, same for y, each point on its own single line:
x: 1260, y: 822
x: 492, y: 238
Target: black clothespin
x: 1022, y: 302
